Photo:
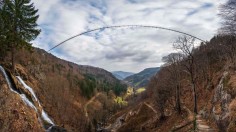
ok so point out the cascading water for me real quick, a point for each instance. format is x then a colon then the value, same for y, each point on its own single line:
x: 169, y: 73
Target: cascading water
x: 7, y: 79
x: 23, y: 97
x: 43, y: 114
x: 28, y: 102
x: 46, y: 117
x: 27, y: 87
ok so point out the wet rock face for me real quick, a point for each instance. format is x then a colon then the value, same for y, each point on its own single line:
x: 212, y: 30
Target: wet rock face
x: 221, y: 101
x: 57, y: 129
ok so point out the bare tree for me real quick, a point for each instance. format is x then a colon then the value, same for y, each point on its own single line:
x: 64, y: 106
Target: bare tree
x: 161, y: 86
x: 228, y: 13
x: 186, y: 45
x: 224, y: 47
x: 174, y: 67
x: 229, y: 47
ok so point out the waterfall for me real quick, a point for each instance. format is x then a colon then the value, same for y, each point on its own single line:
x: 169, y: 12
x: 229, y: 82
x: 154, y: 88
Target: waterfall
x: 29, y: 103
x: 44, y: 116
x: 27, y: 87
x: 23, y: 97
x: 7, y: 79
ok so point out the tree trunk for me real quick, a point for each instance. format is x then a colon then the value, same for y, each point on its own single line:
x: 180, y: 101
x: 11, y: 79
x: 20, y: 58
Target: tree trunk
x: 162, y: 116
x: 178, y: 107
x: 195, y: 97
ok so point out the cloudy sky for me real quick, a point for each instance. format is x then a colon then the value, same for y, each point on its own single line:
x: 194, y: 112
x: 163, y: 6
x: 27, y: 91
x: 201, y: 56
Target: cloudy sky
x: 126, y: 49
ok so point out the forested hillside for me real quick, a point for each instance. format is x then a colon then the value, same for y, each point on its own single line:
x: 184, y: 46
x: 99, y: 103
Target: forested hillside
x: 63, y: 87
x: 191, y: 91
x: 142, y: 78
x: 195, y: 88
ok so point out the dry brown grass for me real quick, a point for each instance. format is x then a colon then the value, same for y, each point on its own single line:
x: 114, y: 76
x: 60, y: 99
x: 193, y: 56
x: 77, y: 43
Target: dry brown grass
x: 232, y: 108
x: 231, y: 85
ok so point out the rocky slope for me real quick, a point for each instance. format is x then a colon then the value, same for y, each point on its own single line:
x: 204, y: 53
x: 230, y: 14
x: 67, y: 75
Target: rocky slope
x: 14, y: 114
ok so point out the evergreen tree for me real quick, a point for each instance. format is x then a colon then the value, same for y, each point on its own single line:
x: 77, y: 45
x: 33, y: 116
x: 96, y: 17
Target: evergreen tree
x: 19, y: 21
x: 3, y: 47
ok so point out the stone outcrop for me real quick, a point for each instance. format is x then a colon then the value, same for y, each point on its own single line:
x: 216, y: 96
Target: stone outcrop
x: 221, y: 101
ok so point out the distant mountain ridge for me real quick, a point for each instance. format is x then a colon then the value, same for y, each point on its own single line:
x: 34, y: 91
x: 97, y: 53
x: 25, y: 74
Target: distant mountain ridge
x: 121, y: 74
x: 142, y: 78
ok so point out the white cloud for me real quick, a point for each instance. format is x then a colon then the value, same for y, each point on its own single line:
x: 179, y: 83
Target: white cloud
x: 122, y: 49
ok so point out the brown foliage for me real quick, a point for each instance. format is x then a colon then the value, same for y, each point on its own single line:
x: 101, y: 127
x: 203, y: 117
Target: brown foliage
x: 201, y: 66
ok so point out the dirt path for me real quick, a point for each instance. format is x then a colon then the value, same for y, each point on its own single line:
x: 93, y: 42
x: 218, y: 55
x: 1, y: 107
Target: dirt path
x: 150, y: 107
x: 116, y: 125
x: 118, y: 122
x: 90, y: 101
x: 202, y: 125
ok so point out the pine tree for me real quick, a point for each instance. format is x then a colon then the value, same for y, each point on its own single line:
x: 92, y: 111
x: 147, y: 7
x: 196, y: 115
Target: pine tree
x: 3, y: 47
x: 20, y: 17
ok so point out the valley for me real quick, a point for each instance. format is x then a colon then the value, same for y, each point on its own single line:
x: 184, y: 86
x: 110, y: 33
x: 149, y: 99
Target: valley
x: 121, y: 66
